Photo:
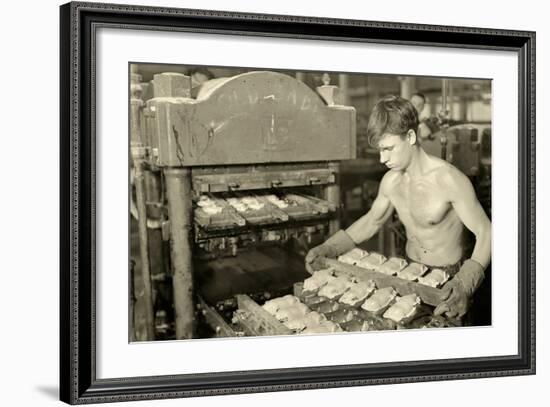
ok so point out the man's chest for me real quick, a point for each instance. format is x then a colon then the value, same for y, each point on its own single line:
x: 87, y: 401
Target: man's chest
x: 422, y: 202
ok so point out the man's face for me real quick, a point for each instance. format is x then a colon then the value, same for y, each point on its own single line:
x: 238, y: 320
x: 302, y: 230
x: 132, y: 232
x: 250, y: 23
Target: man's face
x: 395, y: 151
x: 418, y: 103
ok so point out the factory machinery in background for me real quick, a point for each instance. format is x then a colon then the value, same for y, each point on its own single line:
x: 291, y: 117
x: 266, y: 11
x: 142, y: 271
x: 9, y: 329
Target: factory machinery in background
x: 261, y: 141
x: 465, y: 145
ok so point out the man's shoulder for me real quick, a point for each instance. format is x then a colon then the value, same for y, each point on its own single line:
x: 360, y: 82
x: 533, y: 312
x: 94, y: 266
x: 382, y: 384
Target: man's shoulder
x: 447, y: 175
x: 390, y: 180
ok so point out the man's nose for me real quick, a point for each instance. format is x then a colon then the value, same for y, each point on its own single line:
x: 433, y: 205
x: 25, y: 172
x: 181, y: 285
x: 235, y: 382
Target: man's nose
x: 383, y: 157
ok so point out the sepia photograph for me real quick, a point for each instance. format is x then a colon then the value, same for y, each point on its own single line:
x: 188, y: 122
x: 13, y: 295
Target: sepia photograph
x: 257, y: 203
x: 266, y: 202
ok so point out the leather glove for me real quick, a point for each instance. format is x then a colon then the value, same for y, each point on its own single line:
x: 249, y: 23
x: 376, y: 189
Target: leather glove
x: 337, y: 244
x: 459, y: 291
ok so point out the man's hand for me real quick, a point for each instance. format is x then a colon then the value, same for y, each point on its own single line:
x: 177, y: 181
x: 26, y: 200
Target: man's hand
x: 456, y: 302
x: 459, y: 291
x: 336, y: 245
x: 313, y: 256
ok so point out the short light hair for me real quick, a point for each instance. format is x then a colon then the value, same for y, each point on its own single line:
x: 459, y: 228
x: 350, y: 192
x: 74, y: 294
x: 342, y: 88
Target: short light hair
x: 391, y: 115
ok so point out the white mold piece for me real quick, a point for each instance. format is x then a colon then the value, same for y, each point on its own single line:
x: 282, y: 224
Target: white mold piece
x: 353, y: 256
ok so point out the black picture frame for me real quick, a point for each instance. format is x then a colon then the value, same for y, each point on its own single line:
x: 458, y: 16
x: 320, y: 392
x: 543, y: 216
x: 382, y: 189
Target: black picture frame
x: 78, y: 382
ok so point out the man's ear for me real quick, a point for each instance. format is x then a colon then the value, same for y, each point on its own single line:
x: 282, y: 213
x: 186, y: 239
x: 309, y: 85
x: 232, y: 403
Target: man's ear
x: 411, y: 135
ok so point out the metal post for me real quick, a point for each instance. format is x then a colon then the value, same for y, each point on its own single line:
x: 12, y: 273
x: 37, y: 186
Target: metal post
x: 450, y: 96
x: 138, y: 157
x: 393, y: 246
x: 444, y: 116
x: 332, y: 194
x: 382, y: 239
x: 407, y: 87
x: 444, y: 92
x: 343, y: 84
x: 153, y: 197
x: 132, y: 323
x: 144, y: 247
x: 178, y: 193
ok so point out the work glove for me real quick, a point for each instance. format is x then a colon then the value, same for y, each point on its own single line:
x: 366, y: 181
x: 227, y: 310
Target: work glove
x: 459, y: 291
x: 337, y: 244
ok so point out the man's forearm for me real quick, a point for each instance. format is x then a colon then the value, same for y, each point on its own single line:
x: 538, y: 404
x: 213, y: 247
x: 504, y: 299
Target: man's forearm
x: 364, y: 228
x: 482, y: 248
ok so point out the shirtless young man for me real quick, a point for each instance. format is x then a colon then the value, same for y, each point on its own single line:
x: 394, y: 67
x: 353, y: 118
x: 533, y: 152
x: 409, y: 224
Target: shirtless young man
x: 433, y: 200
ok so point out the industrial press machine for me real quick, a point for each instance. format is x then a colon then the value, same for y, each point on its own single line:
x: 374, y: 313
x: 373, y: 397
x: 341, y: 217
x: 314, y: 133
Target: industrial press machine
x: 241, y: 177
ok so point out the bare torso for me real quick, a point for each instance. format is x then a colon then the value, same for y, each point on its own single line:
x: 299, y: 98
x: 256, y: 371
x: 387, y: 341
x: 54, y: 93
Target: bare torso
x: 433, y: 228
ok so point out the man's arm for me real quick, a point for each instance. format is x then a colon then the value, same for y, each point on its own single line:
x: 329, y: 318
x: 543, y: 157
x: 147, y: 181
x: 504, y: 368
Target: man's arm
x: 460, y: 289
x: 362, y: 229
x: 369, y: 224
x: 470, y: 212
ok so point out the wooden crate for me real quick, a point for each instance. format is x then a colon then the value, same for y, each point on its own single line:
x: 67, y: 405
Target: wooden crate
x: 255, y: 320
